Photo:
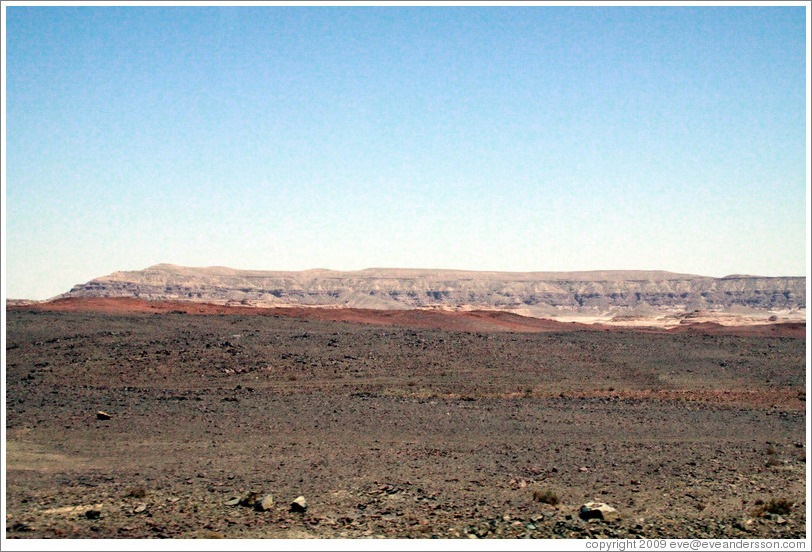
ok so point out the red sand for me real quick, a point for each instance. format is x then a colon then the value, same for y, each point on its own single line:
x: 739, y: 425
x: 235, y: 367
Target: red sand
x: 471, y: 321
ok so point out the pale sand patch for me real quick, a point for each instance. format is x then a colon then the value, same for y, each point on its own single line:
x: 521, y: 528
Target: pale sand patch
x: 682, y: 318
x: 26, y: 456
x: 72, y: 509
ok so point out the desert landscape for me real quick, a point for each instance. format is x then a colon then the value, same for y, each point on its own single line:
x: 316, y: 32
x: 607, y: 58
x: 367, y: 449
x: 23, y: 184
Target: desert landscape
x: 132, y: 417
x: 413, y: 270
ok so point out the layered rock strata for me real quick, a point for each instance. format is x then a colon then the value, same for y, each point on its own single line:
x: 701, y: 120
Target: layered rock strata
x: 534, y: 293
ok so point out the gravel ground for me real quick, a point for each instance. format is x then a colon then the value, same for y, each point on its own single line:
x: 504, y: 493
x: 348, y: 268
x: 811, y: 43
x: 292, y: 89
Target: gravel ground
x: 396, y: 432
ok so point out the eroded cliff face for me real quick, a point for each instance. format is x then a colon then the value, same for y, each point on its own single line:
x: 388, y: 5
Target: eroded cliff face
x: 535, y: 293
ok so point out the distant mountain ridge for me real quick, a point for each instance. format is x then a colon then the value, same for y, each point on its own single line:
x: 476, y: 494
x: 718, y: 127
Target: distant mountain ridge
x: 532, y: 293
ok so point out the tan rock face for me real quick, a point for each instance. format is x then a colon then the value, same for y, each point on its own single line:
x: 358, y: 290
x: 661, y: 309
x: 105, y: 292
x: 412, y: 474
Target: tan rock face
x: 264, y: 504
x: 541, y: 294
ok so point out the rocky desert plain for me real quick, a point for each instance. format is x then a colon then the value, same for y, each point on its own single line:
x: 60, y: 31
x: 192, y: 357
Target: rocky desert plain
x: 179, y: 402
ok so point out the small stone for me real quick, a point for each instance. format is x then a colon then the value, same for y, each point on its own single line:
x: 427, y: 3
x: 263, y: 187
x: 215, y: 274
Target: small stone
x: 249, y: 499
x: 264, y: 504
x: 102, y: 415
x: 780, y: 520
x: 598, y: 510
x: 233, y: 502
x: 583, y: 469
x: 140, y: 508
x: 299, y: 505
x: 93, y: 514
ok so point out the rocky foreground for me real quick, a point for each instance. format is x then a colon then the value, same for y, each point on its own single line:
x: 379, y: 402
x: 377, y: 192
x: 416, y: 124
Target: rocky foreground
x: 167, y: 425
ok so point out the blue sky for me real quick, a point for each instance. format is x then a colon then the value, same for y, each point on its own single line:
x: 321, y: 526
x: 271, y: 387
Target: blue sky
x: 488, y: 138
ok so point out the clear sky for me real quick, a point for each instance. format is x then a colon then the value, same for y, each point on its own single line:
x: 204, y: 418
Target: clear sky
x: 487, y: 138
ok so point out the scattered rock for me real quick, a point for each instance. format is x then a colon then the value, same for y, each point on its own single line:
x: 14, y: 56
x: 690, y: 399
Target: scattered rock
x: 299, y: 505
x: 93, y: 514
x: 233, y: 502
x: 102, y: 415
x: 140, y: 508
x: 249, y: 499
x: 598, y: 510
x: 583, y: 469
x: 20, y: 526
x: 264, y: 504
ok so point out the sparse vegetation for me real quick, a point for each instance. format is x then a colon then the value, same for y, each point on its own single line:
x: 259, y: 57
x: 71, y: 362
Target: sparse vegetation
x: 772, y: 459
x: 777, y: 506
x: 137, y: 492
x: 546, y: 497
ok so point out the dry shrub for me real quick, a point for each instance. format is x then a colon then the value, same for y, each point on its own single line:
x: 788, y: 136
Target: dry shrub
x: 779, y: 506
x: 137, y: 492
x: 772, y: 461
x: 546, y: 497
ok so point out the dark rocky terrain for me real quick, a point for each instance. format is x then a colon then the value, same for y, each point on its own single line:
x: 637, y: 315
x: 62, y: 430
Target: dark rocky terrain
x: 535, y: 293
x: 396, y: 431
